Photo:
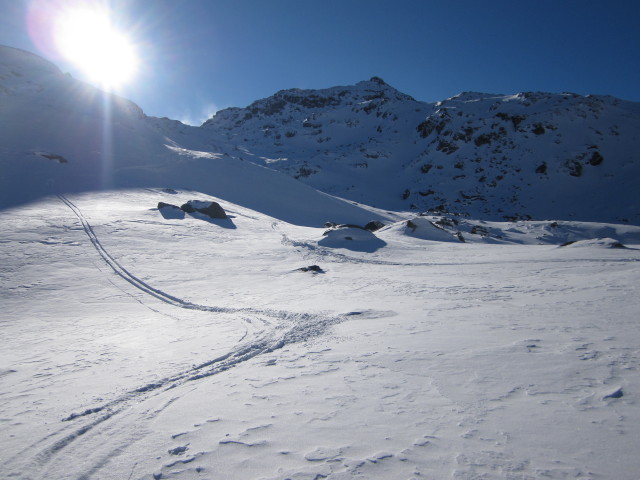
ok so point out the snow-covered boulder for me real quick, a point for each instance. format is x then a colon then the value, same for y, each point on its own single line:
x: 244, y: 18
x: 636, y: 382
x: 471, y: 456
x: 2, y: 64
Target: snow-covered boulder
x: 351, y: 237
x: 595, y: 242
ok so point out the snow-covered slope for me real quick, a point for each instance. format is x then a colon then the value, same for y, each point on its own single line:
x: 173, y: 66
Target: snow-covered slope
x: 142, y: 347
x: 59, y: 135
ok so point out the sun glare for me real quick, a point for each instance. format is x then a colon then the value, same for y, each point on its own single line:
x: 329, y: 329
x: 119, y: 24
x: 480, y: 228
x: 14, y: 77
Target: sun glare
x: 87, y: 38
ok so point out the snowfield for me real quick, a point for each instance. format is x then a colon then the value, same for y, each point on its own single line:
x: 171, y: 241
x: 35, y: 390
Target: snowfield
x: 142, y: 347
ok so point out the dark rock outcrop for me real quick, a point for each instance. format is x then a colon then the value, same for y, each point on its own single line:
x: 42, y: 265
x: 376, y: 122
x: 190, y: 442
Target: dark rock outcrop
x: 211, y: 209
x: 374, y: 225
x: 311, y: 268
x: 166, y: 205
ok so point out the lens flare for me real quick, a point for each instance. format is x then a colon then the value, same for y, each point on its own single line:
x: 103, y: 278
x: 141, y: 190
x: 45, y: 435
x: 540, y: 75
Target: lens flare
x: 86, y: 37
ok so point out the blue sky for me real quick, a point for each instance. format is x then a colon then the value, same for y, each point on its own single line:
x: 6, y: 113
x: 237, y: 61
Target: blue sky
x: 202, y: 55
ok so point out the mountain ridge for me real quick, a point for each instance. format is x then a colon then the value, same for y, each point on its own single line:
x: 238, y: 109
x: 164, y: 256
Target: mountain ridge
x: 531, y: 155
x: 479, y: 154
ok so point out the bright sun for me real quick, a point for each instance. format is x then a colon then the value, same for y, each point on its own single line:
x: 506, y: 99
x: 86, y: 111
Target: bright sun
x: 87, y: 38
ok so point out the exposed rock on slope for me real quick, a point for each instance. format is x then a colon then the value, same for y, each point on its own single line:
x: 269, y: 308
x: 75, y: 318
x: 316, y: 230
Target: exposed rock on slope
x: 211, y: 209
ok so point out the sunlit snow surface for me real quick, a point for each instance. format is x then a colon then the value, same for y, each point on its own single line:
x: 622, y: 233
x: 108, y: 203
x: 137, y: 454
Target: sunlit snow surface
x: 140, y: 347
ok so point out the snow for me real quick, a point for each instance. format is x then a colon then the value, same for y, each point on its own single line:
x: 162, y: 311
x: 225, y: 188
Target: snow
x: 142, y: 347
x: 139, y: 343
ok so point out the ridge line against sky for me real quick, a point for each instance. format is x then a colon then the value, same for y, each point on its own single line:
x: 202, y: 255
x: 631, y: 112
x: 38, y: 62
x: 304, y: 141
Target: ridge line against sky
x: 198, y: 56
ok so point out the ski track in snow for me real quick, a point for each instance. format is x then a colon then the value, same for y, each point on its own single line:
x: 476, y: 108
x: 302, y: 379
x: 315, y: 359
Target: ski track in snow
x: 276, y: 329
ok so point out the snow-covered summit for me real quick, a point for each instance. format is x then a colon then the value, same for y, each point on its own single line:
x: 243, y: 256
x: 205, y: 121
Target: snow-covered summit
x: 286, y: 105
x: 527, y: 155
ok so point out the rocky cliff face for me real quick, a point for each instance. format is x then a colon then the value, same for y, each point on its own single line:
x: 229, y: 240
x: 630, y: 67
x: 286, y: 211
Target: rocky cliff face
x: 530, y: 155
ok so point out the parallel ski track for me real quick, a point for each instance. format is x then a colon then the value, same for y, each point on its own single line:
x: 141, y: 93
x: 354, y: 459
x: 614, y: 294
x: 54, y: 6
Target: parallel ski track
x: 128, y: 276
x: 288, y: 327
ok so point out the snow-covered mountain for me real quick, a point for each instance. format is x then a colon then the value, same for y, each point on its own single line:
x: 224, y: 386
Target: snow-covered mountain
x: 144, y: 339
x: 529, y: 155
x: 497, y: 157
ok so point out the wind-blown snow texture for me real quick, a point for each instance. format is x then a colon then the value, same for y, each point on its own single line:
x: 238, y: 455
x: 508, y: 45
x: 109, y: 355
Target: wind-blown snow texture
x: 150, y: 343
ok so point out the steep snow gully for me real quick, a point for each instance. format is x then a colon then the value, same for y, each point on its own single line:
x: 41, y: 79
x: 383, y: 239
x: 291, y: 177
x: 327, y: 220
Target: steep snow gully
x: 266, y: 330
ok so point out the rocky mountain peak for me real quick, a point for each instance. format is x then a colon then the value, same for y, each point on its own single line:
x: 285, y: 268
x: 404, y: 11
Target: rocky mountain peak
x: 487, y: 155
x: 294, y: 101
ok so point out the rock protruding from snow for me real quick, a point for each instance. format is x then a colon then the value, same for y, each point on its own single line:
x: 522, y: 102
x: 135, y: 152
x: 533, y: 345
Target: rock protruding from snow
x: 211, y: 209
x: 169, y: 211
x: 52, y: 156
x: 374, y: 225
x: 312, y: 269
x: 617, y: 393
